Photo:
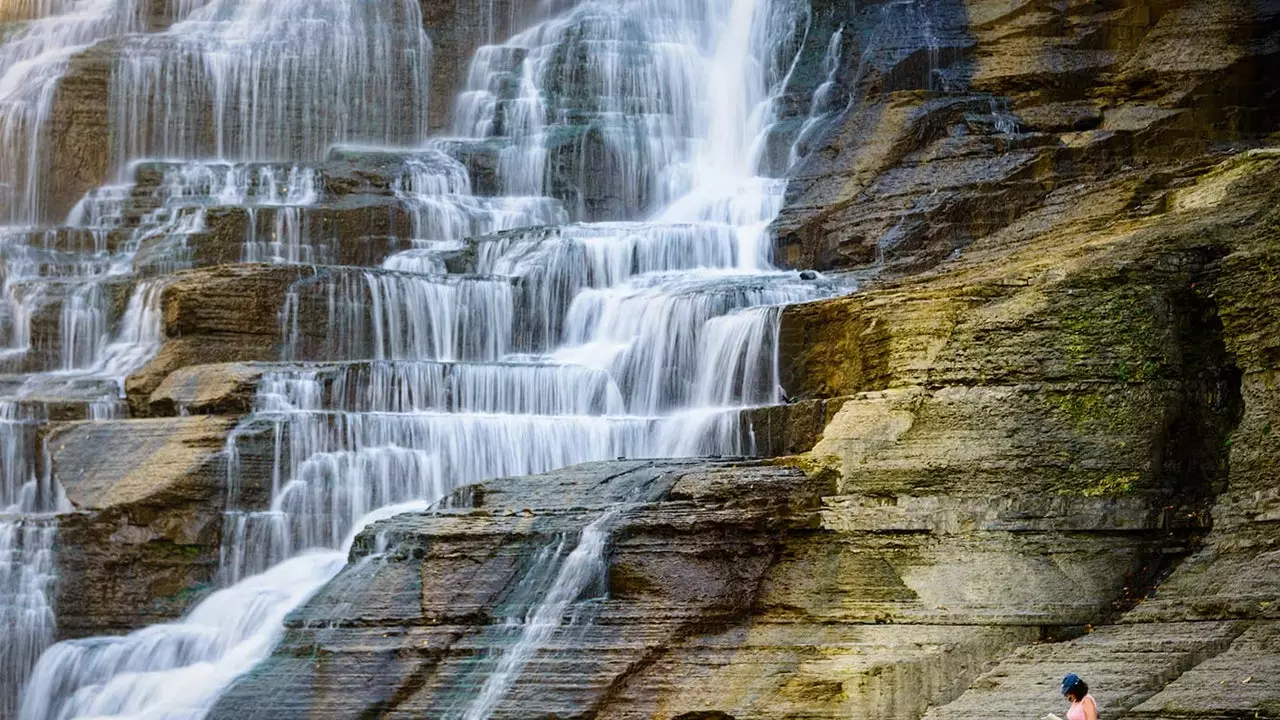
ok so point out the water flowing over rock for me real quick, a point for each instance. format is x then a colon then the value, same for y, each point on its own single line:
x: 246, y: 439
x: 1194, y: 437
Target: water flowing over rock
x: 404, y: 359
x: 401, y: 323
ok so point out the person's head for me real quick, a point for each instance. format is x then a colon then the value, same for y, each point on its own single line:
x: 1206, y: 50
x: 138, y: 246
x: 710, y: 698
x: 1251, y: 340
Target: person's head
x: 1074, y: 688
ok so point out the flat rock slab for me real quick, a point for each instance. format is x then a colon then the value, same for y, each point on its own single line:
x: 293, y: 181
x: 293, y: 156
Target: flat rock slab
x: 730, y: 586
x: 1125, y: 665
x: 113, y: 463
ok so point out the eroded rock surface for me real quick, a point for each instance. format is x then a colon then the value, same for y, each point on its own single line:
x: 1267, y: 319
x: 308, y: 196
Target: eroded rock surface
x: 741, y: 587
x: 149, y: 497
x: 963, y: 124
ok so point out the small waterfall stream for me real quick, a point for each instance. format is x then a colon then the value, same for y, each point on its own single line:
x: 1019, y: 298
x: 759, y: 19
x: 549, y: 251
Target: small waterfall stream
x: 584, y: 566
x: 588, y: 277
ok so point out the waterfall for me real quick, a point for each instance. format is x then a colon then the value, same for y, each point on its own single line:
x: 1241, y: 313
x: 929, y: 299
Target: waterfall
x: 581, y: 569
x: 176, y: 670
x: 33, y: 60
x: 26, y: 579
x: 586, y: 274
x: 276, y: 80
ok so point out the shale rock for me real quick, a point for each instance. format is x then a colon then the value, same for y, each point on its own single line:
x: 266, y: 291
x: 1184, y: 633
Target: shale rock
x: 1018, y: 100
x: 731, y: 587
x: 149, y: 497
x: 1146, y: 332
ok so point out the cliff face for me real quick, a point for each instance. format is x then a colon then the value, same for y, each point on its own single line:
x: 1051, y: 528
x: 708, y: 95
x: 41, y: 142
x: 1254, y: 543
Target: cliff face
x: 1062, y: 434
x: 923, y: 161
x: 1041, y: 439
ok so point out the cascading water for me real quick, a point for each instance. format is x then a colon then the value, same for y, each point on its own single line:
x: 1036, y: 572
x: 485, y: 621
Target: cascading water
x: 33, y: 59
x: 580, y: 569
x: 587, y: 276
x: 278, y: 80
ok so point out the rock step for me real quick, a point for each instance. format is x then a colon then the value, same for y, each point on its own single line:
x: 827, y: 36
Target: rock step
x: 236, y: 312
x: 59, y: 241
x: 150, y: 496
x: 532, y: 387
x: 735, y: 575
x: 1241, y: 682
x: 43, y: 399
x: 1125, y: 666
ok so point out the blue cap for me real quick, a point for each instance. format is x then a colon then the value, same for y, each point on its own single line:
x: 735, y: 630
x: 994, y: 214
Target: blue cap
x: 1069, y: 682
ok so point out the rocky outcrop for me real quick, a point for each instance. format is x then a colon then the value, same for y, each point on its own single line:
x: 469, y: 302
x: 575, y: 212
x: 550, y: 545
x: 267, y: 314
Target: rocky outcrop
x: 149, y: 495
x: 1203, y: 643
x: 1115, y: 331
x: 1017, y: 101
x: 744, y: 588
x: 1049, y: 455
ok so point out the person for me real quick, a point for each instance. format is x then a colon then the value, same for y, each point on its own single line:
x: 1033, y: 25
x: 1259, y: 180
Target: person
x: 1083, y: 706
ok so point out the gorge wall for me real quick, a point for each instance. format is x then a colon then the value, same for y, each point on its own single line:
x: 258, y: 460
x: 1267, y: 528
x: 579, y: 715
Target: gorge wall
x: 1038, y: 439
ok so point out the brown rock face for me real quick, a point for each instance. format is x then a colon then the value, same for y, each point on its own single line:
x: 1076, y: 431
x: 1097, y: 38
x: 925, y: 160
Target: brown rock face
x: 149, y: 496
x: 456, y: 29
x: 1018, y: 100
x: 79, y: 156
x: 1115, y: 356
x: 740, y: 589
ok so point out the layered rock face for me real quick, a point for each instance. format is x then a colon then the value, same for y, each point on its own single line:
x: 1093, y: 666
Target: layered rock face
x: 964, y: 123
x: 1078, y: 335
x: 1039, y: 439
x: 721, y: 587
x: 1062, y: 434
x: 1022, y: 442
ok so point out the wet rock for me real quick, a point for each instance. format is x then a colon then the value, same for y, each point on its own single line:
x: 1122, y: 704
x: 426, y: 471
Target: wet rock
x: 228, y: 313
x: 753, y: 579
x: 143, y: 543
x: 78, y: 155
x: 456, y: 30
x: 360, y: 231
x: 208, y: 390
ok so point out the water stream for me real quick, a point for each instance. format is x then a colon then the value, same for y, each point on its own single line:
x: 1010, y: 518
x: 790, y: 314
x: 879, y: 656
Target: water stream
x: 579, y: 570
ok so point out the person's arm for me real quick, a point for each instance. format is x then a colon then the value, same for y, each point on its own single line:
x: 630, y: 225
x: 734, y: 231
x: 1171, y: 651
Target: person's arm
x: 1090, y: 708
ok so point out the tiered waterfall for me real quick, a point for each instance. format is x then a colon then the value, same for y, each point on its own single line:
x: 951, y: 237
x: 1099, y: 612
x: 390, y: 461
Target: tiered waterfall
x: 586, y: 275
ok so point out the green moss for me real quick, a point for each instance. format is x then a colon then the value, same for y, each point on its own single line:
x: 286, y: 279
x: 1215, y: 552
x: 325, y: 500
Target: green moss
x: 187, y: 595
x: 1113, y: 485
x: 1091, y: 412
x: 1130, y: 324
x: 808, y: 462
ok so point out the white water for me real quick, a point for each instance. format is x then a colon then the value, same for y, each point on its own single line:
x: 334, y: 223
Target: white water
x: 279, y: 80
x: 32, y: 62
x: 167, y: 672
x: 26, y: 579
x: 640, y: 323
x: 581, y: 569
